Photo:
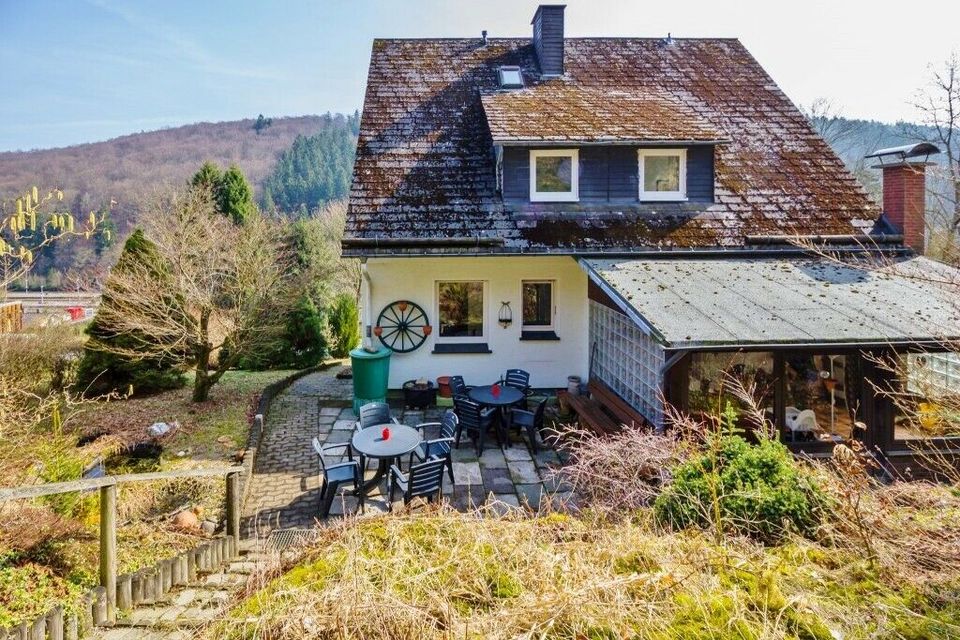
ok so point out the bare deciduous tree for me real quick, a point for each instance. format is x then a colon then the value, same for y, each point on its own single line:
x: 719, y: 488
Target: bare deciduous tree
x: 939, y: 106
x: 849, y: 139
x: 212, y: 293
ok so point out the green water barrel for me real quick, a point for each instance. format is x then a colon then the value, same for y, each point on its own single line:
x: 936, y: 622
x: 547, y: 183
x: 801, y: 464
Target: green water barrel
x: 370, y: 374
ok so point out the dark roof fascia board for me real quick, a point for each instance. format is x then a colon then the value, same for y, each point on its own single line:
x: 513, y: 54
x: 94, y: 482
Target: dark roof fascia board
x: 880, y: 238
x: 464, y: 241
x: 625, y: 306
x: 665, y: 254
x: 512, y: 142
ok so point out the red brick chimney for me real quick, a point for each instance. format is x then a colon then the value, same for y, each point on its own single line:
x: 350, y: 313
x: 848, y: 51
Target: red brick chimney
x: 905, y: 191
x: 904, y: 201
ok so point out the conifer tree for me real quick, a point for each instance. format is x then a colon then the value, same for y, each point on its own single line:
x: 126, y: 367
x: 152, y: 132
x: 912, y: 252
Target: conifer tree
x: 102, y: 368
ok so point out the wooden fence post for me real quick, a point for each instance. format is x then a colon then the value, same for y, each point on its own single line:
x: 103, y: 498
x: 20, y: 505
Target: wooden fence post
x: 108, y: 547
x: 233, y: 505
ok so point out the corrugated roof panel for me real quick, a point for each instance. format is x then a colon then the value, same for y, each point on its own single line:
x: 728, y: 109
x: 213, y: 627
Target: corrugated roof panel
x: 732, y: 302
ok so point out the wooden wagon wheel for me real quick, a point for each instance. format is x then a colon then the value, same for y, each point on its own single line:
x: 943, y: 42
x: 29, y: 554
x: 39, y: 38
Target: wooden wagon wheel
x: 402, y: 326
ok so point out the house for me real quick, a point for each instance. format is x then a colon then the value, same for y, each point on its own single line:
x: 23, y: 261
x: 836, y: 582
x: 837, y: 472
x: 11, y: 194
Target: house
x: 632, y: 211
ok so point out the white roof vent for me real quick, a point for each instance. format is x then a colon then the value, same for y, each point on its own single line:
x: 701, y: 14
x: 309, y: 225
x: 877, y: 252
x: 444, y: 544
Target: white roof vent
x: 510, y: 77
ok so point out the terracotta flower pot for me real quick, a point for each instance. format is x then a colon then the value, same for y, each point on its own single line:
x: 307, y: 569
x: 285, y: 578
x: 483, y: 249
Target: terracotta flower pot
x: 427, y: 329
x: 377, y: 330
x: 402, y: 305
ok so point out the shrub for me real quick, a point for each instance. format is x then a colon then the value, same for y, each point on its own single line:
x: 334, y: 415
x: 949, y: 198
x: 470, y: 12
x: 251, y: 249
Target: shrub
x: 619, y: 472
x: 305, y: 342
x: 344, y: 325
x: 754, y: 489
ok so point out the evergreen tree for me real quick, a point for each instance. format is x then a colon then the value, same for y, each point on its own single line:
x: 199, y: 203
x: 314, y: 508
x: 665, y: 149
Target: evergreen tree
x: 208, y: 176
x: 230, y: 189
x: 102, y: 372
x: 235, y: 196
x: 316, y: 169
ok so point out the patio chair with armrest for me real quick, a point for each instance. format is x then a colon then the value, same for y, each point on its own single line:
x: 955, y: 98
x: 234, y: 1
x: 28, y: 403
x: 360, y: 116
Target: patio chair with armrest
x: 424, y: 479
x: 472, y: 418
x: 529, y: 421
x: 335, y: 476
x: 519, y: 379
x: 374, y: 413
x: 458, y: 387
x: 439, y: 447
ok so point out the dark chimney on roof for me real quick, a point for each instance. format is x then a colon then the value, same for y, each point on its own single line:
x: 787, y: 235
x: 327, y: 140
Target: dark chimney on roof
x: 548, y: 38
x: 905, y: 190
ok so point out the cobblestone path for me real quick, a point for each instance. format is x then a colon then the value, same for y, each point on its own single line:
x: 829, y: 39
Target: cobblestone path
x: 285, y: 489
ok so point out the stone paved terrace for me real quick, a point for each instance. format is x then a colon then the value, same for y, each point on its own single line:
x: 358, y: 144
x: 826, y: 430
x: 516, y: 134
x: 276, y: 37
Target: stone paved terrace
x: 285, y: 490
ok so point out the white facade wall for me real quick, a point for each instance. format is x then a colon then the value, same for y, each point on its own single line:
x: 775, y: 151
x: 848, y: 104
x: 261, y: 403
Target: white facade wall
x: 549, y: 362
x: 627, y: 360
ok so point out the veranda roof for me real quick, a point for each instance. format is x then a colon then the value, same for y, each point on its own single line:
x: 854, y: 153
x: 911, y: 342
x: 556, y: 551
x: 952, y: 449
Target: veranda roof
x: 685, y: 304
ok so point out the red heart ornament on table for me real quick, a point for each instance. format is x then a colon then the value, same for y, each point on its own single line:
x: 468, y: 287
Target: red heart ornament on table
x: 385, y: 433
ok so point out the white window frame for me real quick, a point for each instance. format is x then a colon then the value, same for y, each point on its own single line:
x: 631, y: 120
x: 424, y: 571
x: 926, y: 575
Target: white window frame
x: 555, y: 196
x: 671, y: 196
x: 486, y: 312
x: 553, y: 306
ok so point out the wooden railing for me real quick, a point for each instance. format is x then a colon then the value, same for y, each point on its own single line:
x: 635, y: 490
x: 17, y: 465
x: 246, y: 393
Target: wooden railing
x: 108, y: 511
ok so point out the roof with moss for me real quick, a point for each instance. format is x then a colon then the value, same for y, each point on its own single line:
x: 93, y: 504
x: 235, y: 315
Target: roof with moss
x: 425, y: 168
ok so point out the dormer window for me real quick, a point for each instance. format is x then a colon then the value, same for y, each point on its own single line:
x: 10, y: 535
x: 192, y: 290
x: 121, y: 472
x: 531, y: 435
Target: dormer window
x: 663, y: 174
x: 554, y: 175
x: 510, y: 77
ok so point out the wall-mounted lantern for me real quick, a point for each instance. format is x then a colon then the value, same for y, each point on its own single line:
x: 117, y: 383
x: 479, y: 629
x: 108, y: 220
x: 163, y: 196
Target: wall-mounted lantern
x: 506, y: 314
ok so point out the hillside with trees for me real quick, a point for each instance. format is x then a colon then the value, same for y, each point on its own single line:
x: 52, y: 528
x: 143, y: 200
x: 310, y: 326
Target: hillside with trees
x: 307, y: 162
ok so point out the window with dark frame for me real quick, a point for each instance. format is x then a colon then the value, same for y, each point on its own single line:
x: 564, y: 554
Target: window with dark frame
x: 537, y: 305
x: 460, y: 309
x: 926, y: 396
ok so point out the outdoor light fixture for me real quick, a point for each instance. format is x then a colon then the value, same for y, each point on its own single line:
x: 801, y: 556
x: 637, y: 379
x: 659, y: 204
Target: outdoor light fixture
x: 506, y: 314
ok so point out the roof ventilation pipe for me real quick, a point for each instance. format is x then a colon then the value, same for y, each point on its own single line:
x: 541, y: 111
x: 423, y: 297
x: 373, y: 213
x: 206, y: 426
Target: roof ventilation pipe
x: 483, y: 35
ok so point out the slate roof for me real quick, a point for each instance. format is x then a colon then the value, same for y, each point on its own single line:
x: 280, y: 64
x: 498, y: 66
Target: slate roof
x: 425, y: 168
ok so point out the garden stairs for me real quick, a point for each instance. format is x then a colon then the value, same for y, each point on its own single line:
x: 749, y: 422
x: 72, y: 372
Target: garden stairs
x: 181, y: 612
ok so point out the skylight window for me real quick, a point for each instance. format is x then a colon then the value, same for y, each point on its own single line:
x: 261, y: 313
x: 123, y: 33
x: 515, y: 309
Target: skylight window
x: 510, y: 77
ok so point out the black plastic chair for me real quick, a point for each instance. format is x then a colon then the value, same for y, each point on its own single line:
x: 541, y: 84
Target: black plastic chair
x: 438, y: 447
x: 529, y: 421
x: 477, y: 422
x: 458, y: 387
x: 424, y: 479
x: 374, y: 413
x: 336, y: 475
x: 519, y: 379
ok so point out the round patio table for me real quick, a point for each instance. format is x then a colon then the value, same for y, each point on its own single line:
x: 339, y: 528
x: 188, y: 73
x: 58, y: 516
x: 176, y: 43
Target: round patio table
x: 508, y: 396
x: 370, y: 443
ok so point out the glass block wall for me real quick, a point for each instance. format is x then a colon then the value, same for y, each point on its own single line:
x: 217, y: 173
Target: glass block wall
x: 933, y: 372
x: 627, y: 360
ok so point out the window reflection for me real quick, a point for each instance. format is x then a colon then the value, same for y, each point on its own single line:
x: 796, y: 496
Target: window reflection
x: 821, y: 394
x: 927, y: 404
x: 712, y: 377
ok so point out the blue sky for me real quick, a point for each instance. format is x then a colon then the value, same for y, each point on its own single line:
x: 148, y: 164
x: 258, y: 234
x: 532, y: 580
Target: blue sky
x: 83, y: 70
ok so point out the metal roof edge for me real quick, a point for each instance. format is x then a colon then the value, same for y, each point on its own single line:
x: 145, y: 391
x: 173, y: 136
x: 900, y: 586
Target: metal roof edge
x: 618, y: 142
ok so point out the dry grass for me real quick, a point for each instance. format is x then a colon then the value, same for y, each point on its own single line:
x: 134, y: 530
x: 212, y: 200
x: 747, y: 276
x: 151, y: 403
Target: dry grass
x: 451, y: 575
x: 624, y: 471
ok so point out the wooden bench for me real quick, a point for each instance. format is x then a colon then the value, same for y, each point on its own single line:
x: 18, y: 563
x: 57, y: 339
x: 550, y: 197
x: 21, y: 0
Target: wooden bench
x: 603, y: 412
x: 617, y: 407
